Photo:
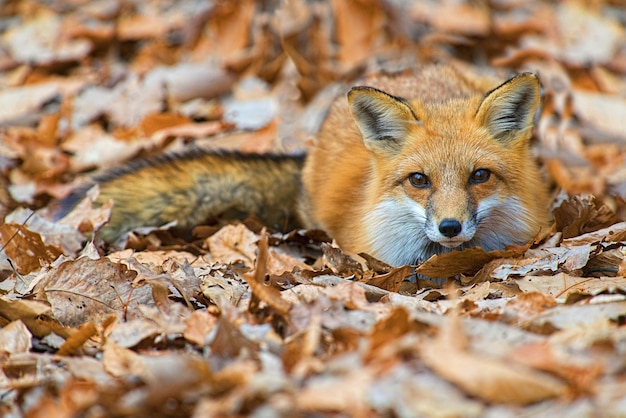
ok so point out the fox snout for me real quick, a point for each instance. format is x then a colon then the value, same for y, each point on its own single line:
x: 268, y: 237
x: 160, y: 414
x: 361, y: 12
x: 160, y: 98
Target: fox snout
x: 450, y: 227
x: 450, y: 232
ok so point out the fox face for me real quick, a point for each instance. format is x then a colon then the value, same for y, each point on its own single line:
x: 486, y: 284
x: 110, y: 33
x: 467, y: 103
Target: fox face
x: 449, y: 175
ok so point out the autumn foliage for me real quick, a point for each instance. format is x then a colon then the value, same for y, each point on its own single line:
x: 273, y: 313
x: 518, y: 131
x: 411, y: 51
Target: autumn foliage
x: 238, y: 320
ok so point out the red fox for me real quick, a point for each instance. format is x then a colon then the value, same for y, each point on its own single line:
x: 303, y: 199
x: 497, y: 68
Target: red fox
x: 405, y: 168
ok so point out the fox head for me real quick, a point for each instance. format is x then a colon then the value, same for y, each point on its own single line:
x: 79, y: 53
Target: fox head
x: 451, y: 174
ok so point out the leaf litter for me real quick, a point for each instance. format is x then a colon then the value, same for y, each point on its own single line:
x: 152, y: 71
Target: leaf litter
x: 236, y: 320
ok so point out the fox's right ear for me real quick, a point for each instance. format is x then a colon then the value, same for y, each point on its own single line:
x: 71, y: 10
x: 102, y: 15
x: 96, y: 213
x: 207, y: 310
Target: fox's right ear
x: 383, y: 119
x: 508, y: 110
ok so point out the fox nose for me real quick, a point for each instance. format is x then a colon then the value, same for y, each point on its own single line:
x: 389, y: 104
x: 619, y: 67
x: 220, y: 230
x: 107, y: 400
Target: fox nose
x: 450, y: 227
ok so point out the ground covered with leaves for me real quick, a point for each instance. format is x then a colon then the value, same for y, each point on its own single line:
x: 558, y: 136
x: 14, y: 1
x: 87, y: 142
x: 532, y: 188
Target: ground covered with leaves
x: 239, y: 320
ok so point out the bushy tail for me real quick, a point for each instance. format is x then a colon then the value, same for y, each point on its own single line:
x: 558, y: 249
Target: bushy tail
x: 194, y: 187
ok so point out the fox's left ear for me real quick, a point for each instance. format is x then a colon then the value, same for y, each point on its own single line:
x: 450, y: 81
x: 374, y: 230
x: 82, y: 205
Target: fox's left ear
x: 508, y: 110
x: 383, y: 119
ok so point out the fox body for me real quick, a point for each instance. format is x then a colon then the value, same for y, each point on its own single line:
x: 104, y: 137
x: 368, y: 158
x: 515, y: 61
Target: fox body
x: 405, y: 168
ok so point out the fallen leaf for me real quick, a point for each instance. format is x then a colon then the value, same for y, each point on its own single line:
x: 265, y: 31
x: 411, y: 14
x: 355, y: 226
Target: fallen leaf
x: 490, y: 379
x: 234, y: 244
x: 466, y: 262
x: 74, y: 343
x: 15, y: 338
x: 256, y: 280
x: 86, y: 290
x: 561, y: 285
x: 198, y: 327
x: 570, y: 316
x: 15, y: 238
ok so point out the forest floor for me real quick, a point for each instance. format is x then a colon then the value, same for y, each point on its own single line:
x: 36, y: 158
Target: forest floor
x: 239, y: 320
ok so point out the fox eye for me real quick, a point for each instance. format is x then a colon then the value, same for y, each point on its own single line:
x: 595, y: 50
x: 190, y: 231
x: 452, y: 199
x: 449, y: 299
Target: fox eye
x: 419, y: 180
x: 480, y: 176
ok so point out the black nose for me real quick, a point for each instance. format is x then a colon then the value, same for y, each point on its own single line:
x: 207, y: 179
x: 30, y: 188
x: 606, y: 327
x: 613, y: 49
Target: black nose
x: 450, y: 227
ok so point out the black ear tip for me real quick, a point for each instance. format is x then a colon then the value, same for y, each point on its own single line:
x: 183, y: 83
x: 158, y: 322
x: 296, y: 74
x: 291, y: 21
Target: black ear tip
x: 362, y: 89
x: 529, y: 78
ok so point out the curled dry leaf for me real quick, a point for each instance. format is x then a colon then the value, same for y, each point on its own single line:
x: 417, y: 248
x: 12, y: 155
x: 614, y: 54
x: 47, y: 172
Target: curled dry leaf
x: 234, y: 244
x: 582, y: 214
x: 552, y: 259
x: 613, y: 233
x: 487, y: 378
x: 15, y: 338
x: 15, y: 238
x: 256, y: 281
x: 393, y: 280
x: 63, y: 236
x: 466, y: 262
x: 75, y: 342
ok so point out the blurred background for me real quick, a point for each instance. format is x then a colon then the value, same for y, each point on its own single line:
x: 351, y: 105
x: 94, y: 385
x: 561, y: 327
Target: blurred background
x: 86, y: 85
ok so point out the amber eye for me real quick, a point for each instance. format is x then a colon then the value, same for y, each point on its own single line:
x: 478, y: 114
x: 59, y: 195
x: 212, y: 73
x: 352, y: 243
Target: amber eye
x: 419, y: 180
x: 480, y: 176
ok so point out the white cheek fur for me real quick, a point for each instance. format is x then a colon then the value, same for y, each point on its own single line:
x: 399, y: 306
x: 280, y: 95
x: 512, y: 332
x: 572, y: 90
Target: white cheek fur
x: 396, y: 229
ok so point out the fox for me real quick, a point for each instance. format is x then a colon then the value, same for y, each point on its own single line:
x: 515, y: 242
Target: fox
x: 404, y: 167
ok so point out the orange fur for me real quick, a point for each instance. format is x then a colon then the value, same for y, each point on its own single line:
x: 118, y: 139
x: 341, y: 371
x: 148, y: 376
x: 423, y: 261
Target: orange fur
x: 446, y: 166
x: 446, y: 129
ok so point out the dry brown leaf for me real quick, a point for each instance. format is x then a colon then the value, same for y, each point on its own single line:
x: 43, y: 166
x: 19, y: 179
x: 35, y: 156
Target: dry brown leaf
x: 158, y: 121
x: 300, y: 348
x: 191, y: 130
x: 66, y: 237
x: 568, y: 259
x: 198, y: 327
x: 487, y: 378
x: 229, y: 26
x: 346, y: 393
x: 120, y: 362
x: 528, y: 305
x: 613, y: 233
x: 341, y: 263
x: 561, y: 285
x: 582, y: 214
x: 260, y: 290
x: 74, y: 343
x: 15, y: 238
x: 572, y: 316
x: 92, y: 147
x: 228, y: 342
x: 137, y: 27
x: 466, y: 262
x: 359, y: 29
x: 621, y: 271
x: 234, y: 244
x: 279, y: 263
x: 462, y: 19
x: 131, y: 333
x: 543, y: 356
x: 86, y: 290
x: 15, y: 338
x: 388, y: 330
x: 27, y: 311
x: 393, y: 280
